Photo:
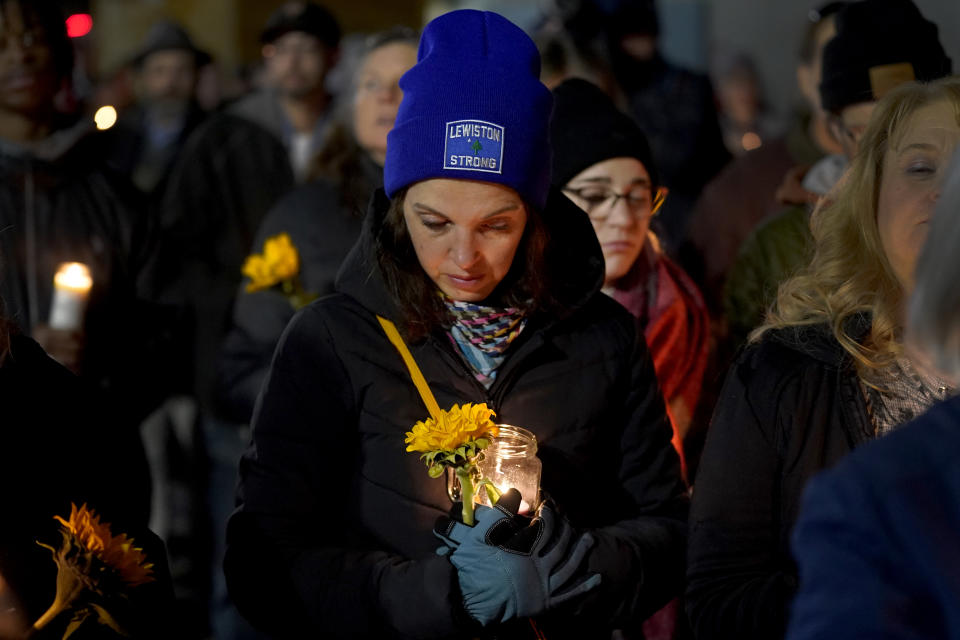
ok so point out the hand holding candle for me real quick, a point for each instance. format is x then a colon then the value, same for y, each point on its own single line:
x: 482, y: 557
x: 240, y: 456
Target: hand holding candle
x: 71, y: 288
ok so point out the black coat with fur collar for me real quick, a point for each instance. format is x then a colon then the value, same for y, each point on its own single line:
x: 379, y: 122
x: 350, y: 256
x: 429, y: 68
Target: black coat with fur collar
x: 333, y: 532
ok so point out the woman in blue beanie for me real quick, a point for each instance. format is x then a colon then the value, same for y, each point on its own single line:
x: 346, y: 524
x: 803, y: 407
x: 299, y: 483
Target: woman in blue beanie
x: 497, y: 296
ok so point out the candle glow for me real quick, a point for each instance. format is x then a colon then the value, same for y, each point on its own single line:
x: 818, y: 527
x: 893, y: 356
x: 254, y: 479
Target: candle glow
x: 71, y: 287
x: 105, y: 117
x: 74, y: 276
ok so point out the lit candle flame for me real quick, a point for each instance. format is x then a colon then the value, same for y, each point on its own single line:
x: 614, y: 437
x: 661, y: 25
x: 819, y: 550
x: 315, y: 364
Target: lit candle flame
x: 74, y: 276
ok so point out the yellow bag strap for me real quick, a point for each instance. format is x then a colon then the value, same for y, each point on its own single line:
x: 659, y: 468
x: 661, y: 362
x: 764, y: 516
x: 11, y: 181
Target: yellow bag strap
x: 418, y: 380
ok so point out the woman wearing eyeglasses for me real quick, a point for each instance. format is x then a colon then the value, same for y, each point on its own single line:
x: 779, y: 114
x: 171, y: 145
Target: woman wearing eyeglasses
x: 602, y: 162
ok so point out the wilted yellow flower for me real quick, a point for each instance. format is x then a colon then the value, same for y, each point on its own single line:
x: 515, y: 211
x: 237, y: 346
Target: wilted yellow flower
x: 116, y: 552
x: 453, y: 428
x: 278, y: 262
x: 92, y: 566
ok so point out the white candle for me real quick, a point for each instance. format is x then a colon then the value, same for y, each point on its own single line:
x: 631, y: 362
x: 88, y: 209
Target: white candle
x: 71, y: 287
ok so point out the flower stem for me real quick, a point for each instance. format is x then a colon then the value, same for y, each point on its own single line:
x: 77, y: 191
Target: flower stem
x: 51, y: 613
x: 464, y: 475
x: 69, y: 589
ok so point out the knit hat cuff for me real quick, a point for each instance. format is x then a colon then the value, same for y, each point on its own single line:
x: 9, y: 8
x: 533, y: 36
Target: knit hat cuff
x: 473, y: 109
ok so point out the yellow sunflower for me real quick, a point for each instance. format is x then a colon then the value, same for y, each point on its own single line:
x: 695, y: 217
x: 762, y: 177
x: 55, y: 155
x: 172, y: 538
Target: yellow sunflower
x: 279, y: 261
x: 116, y: 552
x: 452, y: 429
x: 87, y: 560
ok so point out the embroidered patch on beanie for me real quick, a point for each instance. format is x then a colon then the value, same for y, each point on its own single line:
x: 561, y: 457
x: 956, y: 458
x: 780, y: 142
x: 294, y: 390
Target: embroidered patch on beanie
x: 476, y: 83
x: 473, y: 145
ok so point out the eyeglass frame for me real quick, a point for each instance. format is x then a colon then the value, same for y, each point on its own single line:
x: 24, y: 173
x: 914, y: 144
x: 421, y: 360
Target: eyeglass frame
x: 659, y: 196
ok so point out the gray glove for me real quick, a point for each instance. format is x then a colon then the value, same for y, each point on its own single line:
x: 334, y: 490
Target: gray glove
x: 509, y: 567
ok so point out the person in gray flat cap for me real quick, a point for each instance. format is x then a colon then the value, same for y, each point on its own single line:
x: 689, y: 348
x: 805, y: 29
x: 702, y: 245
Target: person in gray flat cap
x: 150, y: 134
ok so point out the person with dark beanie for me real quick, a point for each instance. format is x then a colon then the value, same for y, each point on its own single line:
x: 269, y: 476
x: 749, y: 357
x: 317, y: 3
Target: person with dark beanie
x: 473, y: 279
x: 603, y: 163
x: 880, y: 44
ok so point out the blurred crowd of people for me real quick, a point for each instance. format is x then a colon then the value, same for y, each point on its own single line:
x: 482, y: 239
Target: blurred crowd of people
x: 768, y: 266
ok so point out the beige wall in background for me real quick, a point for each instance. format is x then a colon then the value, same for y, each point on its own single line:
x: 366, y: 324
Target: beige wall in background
x: 121, y: 25
x: 228, y: 29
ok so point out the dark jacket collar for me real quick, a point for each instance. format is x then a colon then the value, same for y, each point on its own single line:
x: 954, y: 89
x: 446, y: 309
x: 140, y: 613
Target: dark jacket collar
x: 818, y: 341
x: 54, y: 148
x: 574, y: 259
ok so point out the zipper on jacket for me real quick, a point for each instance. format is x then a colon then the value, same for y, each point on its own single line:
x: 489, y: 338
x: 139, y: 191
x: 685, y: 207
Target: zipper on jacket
x: 447, y: 352
x: 502, y: 382
x: 494, y: 395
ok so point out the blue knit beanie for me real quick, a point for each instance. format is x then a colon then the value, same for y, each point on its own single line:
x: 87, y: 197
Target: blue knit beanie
x: 473, y: 108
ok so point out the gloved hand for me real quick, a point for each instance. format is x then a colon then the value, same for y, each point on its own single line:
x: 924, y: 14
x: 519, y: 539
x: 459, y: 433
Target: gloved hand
x: 509, y: 569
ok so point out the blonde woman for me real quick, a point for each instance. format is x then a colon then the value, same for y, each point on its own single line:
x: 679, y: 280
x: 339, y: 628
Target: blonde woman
x: 866, y: 536
x: 825, y: 373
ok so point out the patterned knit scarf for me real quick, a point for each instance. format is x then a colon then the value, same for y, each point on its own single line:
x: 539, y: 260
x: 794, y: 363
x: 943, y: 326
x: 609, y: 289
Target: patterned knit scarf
x: 906, y: 393
x: 482, y: 335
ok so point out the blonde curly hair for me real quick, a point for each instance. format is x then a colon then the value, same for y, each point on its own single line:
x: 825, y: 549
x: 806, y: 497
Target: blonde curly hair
x: 849, y: 273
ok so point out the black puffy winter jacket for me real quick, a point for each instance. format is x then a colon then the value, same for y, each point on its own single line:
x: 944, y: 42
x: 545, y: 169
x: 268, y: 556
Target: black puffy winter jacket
x: 323, y: 224
x: 332, y: 536
x: 60, y: 203
x: 791, y: 406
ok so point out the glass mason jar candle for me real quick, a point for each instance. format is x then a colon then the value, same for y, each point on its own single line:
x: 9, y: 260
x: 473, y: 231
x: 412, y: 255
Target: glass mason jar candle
x: 509, y: 462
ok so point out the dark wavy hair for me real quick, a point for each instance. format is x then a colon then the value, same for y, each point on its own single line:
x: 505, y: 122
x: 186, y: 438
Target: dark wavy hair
x: 526, y: 286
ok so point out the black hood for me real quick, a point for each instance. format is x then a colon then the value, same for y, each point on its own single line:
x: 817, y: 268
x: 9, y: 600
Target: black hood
x: 574, y: 259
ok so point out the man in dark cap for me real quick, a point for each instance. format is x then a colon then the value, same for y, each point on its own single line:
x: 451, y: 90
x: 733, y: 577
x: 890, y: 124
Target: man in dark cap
x: 300, y: 45
x: 879, y: 45
x: 148, y: 137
